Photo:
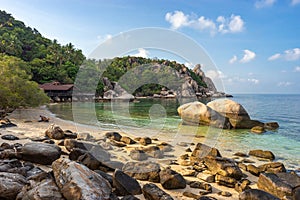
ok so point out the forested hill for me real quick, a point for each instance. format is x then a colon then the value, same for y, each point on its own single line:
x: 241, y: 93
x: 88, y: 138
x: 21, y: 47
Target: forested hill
x: 47, y: 60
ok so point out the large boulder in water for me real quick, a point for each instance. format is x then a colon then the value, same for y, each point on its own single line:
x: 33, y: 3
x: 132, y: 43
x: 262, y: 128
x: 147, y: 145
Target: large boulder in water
x: 237, y: 114
x: 196, y: 113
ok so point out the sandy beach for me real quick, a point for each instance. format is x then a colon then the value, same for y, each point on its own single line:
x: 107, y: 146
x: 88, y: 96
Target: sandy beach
x: 28, y: 127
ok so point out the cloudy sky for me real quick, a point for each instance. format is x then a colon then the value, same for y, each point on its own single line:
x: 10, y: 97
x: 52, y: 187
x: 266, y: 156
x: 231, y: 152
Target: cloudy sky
x: 255, y: 45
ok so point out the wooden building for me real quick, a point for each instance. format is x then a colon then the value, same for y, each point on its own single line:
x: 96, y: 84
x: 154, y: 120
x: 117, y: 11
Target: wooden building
x: 57, y: 91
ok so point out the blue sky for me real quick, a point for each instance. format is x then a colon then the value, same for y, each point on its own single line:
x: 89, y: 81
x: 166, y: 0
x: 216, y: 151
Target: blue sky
x: 254, y: 44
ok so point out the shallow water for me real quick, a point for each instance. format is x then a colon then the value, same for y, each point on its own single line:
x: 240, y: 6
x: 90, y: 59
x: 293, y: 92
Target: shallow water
x: 152, y: 117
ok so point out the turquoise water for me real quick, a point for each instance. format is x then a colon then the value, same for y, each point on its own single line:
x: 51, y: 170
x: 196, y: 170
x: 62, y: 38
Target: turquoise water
x: 159, y: 116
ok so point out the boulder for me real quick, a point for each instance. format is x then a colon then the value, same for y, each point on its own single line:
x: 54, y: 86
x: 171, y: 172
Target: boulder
x: 11, y: 185
x: 41, y: 153
x: 127, y: 140
x: 255, y: 194
x: 9, y: 137
x: 226, y: 181
x: 76, y: 181
x: 253, y: 170
x: 43, y: 190
x: 196, y: 113
x: 238, y: 116
x: 262, y: 154
x: 202, y: 150
x: 223, y: 166
x: 125, y: 184
x: 55, y: 132
x: 170, y: 179
x: 271, y: 125
x: 139, y: 155
x: 201, y: 185
x: 145, y: 141
x: 209, y: 178
x: 258, y: 129
x: 146, y: 171
x: 280, y: 185
x: 152, y: 192
x: 272, y: 167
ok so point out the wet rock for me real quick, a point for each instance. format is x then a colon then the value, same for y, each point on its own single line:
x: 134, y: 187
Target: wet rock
x: 113, y: 136
x: 127, y: 140
x: 258, y: 129
x: 40, y: 153
x: 196, y: 113
x: 152, y: 192
x: 170, y: 179
x: 223, y: 166
x: 147, y: 171
x: 145, y: 141
x: 280, y: 185
x: 272, y: 167
x: 11, y: 185
x: 271, y: 125
x: 255, y: 194
x: 78, y: 182
x: 43, y: 190
x: 125, y: 184
x: 139, y: 155
x: 202, y: 150
x: 55, y: 132
x: 9, y: 137
x: 262, y: 154
x: 226, y: 181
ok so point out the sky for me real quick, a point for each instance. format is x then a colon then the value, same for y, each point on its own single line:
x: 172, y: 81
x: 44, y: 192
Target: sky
x: 254, y: 44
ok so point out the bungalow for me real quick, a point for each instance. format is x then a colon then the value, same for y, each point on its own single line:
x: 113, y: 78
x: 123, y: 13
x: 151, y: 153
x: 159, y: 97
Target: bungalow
x: 57, y: 91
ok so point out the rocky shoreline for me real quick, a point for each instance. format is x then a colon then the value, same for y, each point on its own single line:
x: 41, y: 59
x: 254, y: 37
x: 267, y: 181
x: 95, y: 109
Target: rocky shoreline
x: 58, y: 163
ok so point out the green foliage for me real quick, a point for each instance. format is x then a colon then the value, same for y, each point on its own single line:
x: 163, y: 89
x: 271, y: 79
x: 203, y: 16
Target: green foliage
x: 50, y: 61
x: 15, y: 87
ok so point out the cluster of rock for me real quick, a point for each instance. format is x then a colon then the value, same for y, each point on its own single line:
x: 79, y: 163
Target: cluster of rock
x: 222, y: 113
x: 188, y: 86
x: 80, y: 167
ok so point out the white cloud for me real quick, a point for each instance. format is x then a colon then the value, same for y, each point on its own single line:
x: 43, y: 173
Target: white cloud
x: 142, y: 53
x: 189, y: 64
x: 213, y: 74
x: 295, y: 2
x: 297, y: 69
x: 284, y: 84
x: 232, y: 24
x: 274, y: 57
x: 253, y: 80
x: 233, y: 59
x: 264, y: 3
x: 102, y: 38
x: 288, y: 55
x: 248, y: 56
x: 177, y: 20
x: 292, y: 54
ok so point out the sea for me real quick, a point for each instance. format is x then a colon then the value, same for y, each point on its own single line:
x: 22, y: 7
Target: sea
x: 159, y: 117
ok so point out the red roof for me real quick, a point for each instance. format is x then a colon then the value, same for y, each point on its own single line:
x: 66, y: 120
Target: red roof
x: 56, y: 86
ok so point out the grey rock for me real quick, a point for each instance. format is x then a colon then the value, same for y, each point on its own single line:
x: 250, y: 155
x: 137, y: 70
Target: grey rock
x: 125, y: 184
x: 255, y: 194
x: 76, y: 181
x: 41, y: 153
x: 55, y: 132
x: 139, y: 155
x: 9, y: 137
x: 152, y: 192
x: 11, y: 185
x: 113, y: 136
x: 170, y: 179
